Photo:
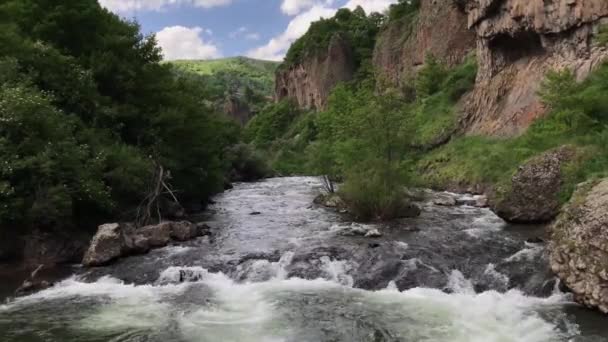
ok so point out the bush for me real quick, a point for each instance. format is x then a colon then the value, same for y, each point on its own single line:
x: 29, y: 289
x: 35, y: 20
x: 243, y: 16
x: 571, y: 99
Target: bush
x: 246, y: 164
x: 375, y: 194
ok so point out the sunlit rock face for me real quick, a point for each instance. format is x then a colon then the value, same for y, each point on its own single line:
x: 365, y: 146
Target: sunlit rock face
x: 440, y: 30
x: 518, y: 42
x: 310, y: 82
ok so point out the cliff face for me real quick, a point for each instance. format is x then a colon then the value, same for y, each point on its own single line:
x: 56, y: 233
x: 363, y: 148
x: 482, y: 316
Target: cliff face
x: 237, y: 109
x: 310, y: 83
x: 518, y: 41
x: 440, y: 29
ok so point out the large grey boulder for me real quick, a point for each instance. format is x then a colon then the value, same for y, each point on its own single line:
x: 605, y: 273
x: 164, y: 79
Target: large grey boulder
x: 533, y: 195
x: 579, y: 245
x: 109, y: 243
x: 116, y: 240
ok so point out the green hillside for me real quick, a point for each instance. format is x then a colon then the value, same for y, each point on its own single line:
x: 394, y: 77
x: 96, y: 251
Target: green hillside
x: 234, y: 75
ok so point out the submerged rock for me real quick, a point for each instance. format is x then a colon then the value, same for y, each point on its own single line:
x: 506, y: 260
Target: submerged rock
x: 579, y: 245
x: 374, y: 233
x: 533, y: 196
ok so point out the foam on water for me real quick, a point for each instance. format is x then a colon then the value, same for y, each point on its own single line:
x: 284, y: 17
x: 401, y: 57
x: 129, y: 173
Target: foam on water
x: 267, y: 310
x: 530, y: 252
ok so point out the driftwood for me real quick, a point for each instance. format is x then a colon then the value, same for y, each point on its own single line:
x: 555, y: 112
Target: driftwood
x: 150, y: 207
x: 328, y: 184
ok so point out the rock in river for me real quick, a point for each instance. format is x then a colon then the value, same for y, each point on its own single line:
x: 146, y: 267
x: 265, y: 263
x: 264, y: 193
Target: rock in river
x: 533, y: 196
x: 579, y: 245
x: 115, y: 240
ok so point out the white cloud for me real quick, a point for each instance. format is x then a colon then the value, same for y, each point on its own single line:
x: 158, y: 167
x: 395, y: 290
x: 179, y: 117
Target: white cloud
x: 179, y: 42
x: 244, y: 32
x: 277, y: 47
x: 370, y: 5
x: 157, y: 5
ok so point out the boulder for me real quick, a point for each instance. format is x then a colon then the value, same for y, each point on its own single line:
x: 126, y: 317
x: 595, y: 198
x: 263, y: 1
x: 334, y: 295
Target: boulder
x: 533, y: 196
x: 444, y: 200
x: 183, y: 231
x: 108, y: 244
x: 157, y: 235
x: 579, y: 245
x: 116, y: 240
x: 481, y: 202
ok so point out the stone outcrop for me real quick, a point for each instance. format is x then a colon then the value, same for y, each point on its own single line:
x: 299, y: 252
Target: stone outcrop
x: 579, y: 245
x: 440, y: 30
x: 518, y: 41
x: 533, y: 195
x: 310, y: 82
x: 116, y: 240
x: 237, y: 109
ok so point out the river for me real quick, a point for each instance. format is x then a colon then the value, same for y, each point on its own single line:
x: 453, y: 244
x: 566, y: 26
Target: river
x: 278, y: 268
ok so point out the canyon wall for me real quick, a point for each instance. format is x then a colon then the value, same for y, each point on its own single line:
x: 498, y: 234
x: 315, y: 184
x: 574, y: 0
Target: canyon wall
x: 518, y: 42
x: 440, y: 29
x: 310, y: 82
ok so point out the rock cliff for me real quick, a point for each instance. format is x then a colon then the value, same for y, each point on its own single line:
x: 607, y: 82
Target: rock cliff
x: 518, y: 41
x: 310, y: 82
x: 440, y: 29
x: 579, y: 245
x: 237, y: 109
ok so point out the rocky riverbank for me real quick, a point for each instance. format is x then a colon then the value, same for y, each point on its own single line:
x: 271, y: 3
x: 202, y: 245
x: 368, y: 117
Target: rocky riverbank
x: 579, y: 245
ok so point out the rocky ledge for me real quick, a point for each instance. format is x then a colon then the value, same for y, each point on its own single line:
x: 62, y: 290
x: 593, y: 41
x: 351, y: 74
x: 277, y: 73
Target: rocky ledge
x: 116, y: 240
x: 579, y: 245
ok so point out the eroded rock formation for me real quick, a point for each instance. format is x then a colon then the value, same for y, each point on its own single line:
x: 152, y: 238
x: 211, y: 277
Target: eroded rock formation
x: 579, y: 245
x: 518, y: 41
x: 310, y: 82
x: 440, y: 30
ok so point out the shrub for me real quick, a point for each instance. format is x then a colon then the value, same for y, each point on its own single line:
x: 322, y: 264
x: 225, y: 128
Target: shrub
x: 246, y: 164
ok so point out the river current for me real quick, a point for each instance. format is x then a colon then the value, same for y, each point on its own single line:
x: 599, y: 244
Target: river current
x: 277, y: 268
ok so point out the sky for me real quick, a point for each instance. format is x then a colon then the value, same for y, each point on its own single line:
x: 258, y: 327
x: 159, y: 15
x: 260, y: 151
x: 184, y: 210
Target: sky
x: 210, y: 29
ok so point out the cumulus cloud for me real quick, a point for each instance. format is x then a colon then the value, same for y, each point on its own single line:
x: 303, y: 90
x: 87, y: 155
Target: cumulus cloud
x: 277, y: 47
x: 157, y: 5
x: 370, y: 5
x: 293, y: 7
x: 179, y: 42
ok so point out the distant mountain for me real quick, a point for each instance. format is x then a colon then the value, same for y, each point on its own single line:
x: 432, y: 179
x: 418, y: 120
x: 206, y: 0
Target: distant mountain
x: 239, y: 86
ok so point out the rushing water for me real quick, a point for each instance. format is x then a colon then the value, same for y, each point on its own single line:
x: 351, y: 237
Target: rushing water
x: 293, y: 273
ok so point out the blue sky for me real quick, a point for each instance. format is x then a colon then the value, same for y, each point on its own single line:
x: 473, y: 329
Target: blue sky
x: 206, y: 29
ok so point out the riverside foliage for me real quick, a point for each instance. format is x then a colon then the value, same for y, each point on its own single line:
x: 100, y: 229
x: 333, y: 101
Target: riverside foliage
x: 379, y: 140
x: 87, y: 113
